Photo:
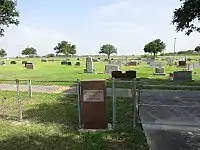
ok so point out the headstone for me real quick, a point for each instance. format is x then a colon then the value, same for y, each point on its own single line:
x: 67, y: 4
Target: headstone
x: 182, y: 76
x: 89, y: 65
x: 130, y: 74
x: 156, y: 64
x: 189, y: 59
x: 43, y: 60
x: 190, y: 67
x: 77, y: 64
x: 13, y: 62
x: 78, y: 59
x: 69, y: 63
x: 29, y: 65
x: 117, y: 74
x: 64, y: 62
x: 23, y: 62
x: 110, y: 67
x: 182, y: 64
x: 159, y: 71
x: 132, y: 63
x: 94, y: 104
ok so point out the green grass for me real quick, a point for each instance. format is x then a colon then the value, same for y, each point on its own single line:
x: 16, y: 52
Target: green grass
x: 51, y: 123
x: 54, y: 71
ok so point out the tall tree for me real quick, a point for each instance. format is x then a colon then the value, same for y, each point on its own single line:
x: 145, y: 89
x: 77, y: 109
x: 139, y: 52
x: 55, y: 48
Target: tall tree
x: 65, y: 48
x: 29, y: 51
x: 186, y: 17
x: 8, y: 14
x: 154, y: 47
x: 3, y: 53
x: 197, y: 49
x: 108, y: 49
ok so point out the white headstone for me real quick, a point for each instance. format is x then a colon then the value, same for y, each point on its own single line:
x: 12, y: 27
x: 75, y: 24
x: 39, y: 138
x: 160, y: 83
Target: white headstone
x: 109, y: 68
x: 89, y: 65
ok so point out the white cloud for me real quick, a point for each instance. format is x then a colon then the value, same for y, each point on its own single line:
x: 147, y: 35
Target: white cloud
x: 17, y: 38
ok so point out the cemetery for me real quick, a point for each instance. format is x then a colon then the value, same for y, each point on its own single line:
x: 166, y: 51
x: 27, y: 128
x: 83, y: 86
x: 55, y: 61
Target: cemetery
x: 91, y: 81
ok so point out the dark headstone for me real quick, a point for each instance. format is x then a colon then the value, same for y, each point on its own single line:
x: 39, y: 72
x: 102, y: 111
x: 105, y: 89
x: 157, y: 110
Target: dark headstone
x: 116, y: 74
x: 132, y: 63
x: 182, y: 63
x: 29, y: 65
x: 43, y: 60
x: 64, y: 62
x: 78, y: 59
x: 23, y: 62
x: 130, y: 74
x: 105, y: 60
x: 94, y: 104
x: 77, y: 64
x: 189, y: 59
x: 182, y: 76
x: 69, y: 63
x: 13, y: 62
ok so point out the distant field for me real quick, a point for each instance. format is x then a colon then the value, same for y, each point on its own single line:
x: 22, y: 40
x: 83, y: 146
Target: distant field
x: 55, y: 71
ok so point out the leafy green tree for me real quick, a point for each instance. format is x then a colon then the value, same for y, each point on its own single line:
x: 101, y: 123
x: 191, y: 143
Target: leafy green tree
x: 184, y: 17
x: 197, y: 49
x: 50, y: 55
x: 29, y: 51
x: 65, y: 48
x: 3, y: 53
x: 154, y: 47
x: 108, y: 49
x: 8, y: 14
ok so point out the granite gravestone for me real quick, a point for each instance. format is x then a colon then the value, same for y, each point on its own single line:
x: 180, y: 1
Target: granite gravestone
x: 182, y: 76
x: 77, y: 64
x: 132, y: 63
x: 159, y: 71
x: 89, y: 65
x: 110, y: 68
x: 29, y: 65
x: 182, y: 64
x: 94, y: 104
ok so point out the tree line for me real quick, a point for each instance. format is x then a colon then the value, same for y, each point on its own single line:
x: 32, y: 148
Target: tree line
x: 183, y: 18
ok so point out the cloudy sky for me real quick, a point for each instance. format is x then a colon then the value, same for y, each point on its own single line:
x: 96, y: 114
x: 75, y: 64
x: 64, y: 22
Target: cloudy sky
x: 128, y: 24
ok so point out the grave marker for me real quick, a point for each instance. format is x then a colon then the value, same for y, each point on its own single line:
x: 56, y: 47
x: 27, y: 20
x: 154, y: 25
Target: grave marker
x: 94, y: 104
x: 110, y: 68
x: 29, y: 65
x: 89, y: 65
x: 182, y: 76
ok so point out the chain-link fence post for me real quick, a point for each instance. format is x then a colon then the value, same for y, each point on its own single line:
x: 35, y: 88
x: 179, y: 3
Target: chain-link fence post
x: 19, y: 101
x: 79, y: 103
x: 3, y: 107
x: 30, y: 93
x: 133, y: 90
x: 113, y: 103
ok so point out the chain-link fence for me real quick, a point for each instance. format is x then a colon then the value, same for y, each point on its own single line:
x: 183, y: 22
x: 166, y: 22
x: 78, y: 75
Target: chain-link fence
x: 39, y: 101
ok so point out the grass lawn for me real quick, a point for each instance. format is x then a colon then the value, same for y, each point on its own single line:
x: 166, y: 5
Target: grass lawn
x: 55, y: 71
x: 51, y: 122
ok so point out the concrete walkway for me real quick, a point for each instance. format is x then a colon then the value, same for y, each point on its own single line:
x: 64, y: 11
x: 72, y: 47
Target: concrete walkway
x: 60, y: 89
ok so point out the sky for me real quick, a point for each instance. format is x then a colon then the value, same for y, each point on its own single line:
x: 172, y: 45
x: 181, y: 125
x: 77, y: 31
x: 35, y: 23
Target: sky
x: 127, y: 24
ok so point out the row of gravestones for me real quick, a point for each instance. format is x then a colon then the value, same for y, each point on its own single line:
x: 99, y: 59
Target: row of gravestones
x: 69, y: 63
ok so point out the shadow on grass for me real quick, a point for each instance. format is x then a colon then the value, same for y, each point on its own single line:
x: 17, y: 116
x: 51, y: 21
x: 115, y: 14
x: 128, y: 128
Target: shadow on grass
x: 63, y: 112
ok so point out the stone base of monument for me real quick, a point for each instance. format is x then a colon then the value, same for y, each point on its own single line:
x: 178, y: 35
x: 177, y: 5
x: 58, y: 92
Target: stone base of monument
x: 160, y: 74
x: 97, y: 130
